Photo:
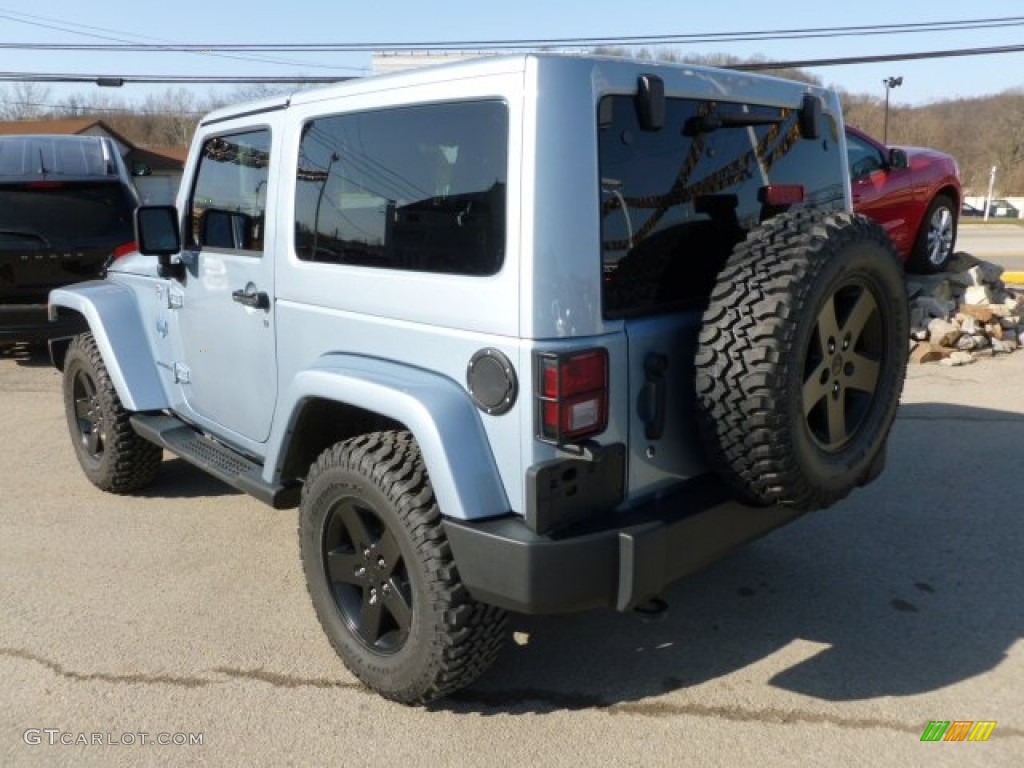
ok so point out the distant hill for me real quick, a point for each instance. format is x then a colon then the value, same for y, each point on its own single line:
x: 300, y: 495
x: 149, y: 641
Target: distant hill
x: 979, y: 133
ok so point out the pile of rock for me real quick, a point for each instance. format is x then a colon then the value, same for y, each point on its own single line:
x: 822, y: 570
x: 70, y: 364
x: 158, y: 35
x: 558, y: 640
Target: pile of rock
x: 964, y: 313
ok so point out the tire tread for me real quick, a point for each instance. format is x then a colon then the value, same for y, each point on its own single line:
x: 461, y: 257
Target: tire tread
x: 469, y: 635
x: 130, y: 462
x: 745, y: 355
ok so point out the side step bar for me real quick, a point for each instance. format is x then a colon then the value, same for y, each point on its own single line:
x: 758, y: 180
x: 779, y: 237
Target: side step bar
x: 215, y: 458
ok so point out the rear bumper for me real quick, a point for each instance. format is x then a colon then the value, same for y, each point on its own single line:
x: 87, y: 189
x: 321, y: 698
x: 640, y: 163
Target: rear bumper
x: 630, y: 558
x: 29, y: 322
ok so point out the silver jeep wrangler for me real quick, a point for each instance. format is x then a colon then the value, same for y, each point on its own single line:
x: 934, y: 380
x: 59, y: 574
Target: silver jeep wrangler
x: 531, y: 333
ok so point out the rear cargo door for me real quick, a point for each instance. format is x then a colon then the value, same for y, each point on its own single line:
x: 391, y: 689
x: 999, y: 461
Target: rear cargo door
x: 662, y: 431
x: 675, y: 202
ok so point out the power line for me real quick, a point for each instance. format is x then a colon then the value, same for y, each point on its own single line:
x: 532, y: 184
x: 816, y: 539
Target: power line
x: 88, y: 110
x: 130, y: 45
x: 117, y: 80
x: 528, y: 43
x: 108, y: 79
x: 802, y: 63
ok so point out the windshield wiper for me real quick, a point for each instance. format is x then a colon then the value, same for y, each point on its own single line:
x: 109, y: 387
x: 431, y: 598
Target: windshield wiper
x: 708, y: 123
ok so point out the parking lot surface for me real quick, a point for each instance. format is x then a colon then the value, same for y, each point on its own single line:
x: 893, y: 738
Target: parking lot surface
x: 998, y: 242
x: 834, y: 641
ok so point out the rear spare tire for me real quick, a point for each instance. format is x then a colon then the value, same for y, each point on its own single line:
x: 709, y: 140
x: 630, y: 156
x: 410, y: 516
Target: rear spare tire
x: 801, y: 359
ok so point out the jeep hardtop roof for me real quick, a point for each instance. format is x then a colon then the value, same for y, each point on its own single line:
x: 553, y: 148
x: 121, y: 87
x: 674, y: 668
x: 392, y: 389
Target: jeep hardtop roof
x: 696, y: 80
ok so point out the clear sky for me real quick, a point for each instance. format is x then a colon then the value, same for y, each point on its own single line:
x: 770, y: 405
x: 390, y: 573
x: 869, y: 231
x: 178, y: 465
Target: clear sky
x: 309, y: 21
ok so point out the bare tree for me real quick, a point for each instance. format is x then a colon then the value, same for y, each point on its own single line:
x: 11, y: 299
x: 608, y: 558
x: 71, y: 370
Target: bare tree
x: 176, y: 114
x: 24, y: 101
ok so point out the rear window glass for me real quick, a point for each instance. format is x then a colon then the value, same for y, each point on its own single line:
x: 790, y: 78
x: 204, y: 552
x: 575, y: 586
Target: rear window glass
x: 77, y: 215
x: 54, y: 156
x: 414, y: 188
x: 675, y: 202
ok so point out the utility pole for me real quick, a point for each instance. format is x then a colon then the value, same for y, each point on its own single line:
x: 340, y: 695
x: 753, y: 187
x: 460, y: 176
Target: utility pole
x: 991, y: 186
x: 889, y: 83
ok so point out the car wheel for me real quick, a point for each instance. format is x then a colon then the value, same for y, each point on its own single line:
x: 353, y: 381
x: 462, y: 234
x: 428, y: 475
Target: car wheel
x: 381, y: 575
x: 936, y: 239
x: 111, y: 453
x: 801, y: 359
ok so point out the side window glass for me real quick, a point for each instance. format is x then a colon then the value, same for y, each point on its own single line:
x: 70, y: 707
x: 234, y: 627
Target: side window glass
x: 413, y: 188
x: 863, y: 158
x: 229, y: 198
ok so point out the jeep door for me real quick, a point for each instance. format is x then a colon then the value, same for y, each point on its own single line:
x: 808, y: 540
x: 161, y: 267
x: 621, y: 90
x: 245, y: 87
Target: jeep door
x: 228, y: 370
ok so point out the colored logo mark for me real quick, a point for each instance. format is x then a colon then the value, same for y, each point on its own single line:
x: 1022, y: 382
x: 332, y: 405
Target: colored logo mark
x: 958, y: 730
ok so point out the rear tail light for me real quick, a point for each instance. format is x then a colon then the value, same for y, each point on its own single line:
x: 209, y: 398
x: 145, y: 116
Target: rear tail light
x: 571, y: 392
x: 124, y: 249
x: 782, y: 194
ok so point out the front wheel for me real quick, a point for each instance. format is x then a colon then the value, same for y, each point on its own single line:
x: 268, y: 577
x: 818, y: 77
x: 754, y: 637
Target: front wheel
x: 381, y: 575
x: 936, y: 238
x: 111, y: 454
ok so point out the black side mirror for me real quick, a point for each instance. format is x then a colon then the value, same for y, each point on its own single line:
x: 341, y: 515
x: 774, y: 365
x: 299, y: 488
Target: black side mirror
x: 140, y: 168
x: 157, y: 234
x: 810, y: 117
x: 898, y: 159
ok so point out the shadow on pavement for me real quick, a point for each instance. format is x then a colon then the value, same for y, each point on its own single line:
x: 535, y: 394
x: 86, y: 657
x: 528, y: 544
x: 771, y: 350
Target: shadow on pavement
x: 180, y: 480
x: 35, y: 355
x: 912, y: 584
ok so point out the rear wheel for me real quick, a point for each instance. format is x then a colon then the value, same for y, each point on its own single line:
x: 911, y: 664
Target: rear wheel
x: 111, y: 454
x: 936, y: 239
x: 801, y: 359
x: 381, y: 575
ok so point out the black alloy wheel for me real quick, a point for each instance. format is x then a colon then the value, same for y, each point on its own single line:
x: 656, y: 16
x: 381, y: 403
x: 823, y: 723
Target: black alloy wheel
x: 381, y: 574
x: 112, y: 455
x: 88, y: 414
x: 368, y: 575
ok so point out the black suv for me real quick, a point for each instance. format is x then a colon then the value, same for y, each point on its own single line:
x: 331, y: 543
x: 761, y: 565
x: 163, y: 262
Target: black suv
x: 66, y: 205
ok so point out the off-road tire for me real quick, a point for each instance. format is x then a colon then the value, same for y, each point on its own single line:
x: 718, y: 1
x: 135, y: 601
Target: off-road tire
x: 111, y: 453
x: 808, y: 320
x: 428, y: 637
x: 936, y: 238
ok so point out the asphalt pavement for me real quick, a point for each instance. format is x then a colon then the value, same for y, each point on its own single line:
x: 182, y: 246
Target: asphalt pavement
x: 835, y: 641
x: 993, y: 241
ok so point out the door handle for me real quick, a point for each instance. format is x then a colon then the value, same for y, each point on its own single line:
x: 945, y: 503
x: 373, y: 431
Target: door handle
x: 251, y: 298
x: 652, y: 396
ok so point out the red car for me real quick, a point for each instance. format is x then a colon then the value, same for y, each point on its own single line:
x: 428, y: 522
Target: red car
x: 911, y: 191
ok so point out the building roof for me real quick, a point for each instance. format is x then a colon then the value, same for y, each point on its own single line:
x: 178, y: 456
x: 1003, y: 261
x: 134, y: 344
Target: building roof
x: 160, y: 158
x: 157, y: 158
x: 69, y: 127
